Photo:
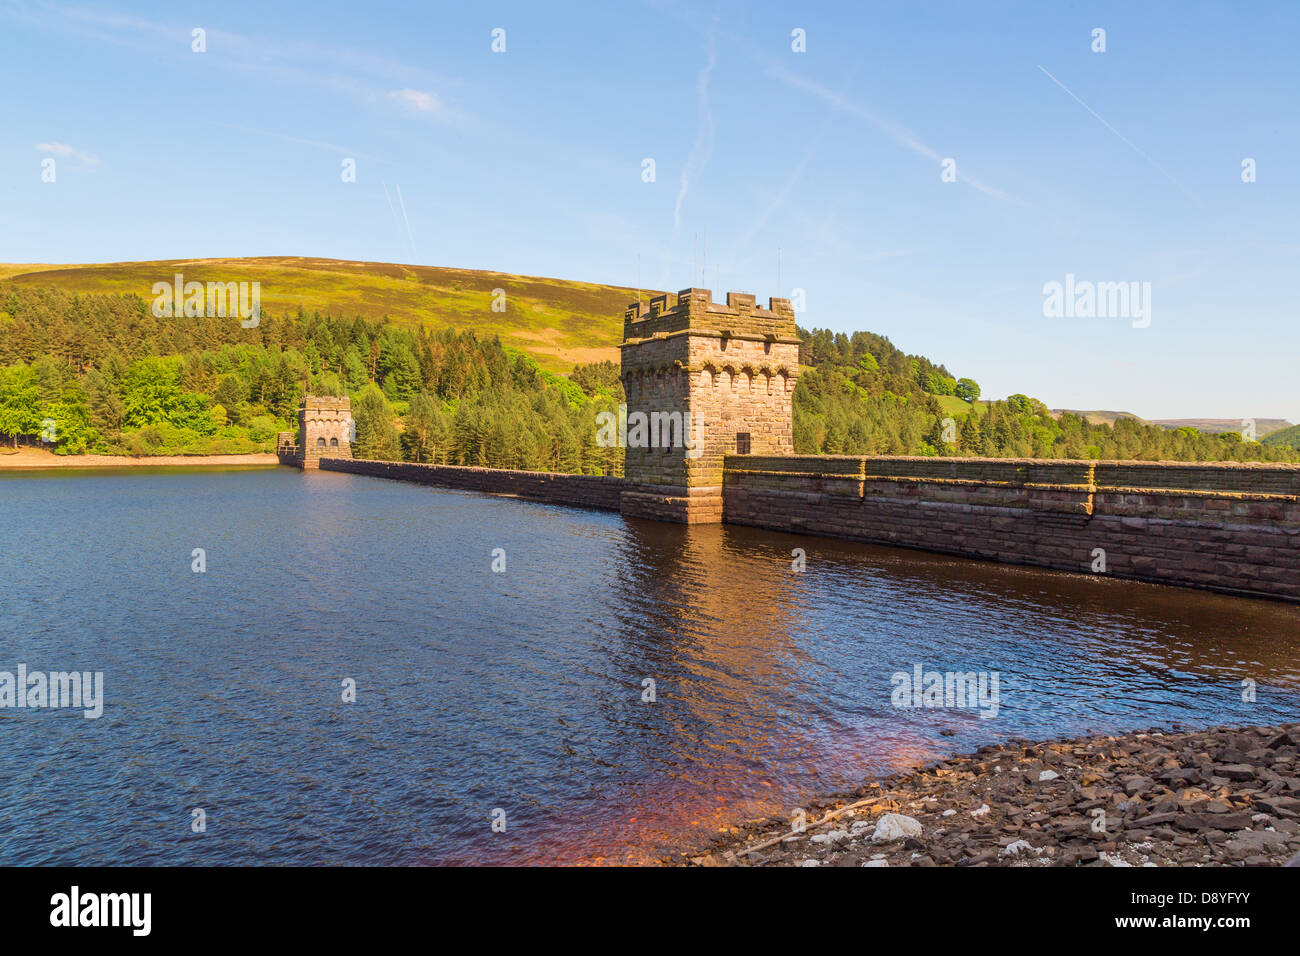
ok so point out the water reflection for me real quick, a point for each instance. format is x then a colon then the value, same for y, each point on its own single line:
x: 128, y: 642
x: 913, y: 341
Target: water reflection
x: 523, y: 690
x: 777, y: 683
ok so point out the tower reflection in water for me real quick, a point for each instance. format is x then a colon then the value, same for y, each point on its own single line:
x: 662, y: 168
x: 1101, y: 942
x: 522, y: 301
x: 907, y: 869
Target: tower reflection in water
x: 773, y: 686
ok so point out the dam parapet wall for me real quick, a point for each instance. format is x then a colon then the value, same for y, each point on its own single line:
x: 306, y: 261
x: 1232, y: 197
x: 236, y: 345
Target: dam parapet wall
x: 1227, y: 527
x: 582, y: 491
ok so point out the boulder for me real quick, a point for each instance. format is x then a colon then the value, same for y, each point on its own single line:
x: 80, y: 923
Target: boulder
x: 896, y: 826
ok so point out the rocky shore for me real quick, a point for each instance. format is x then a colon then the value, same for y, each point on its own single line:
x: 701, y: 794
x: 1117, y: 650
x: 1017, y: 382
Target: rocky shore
x: 1221, y: 797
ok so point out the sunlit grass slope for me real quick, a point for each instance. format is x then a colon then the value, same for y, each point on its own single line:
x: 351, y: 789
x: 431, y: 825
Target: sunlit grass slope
x: 559, y: 322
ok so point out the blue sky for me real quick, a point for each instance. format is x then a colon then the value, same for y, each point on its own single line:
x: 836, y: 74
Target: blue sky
x: 1117, y: 166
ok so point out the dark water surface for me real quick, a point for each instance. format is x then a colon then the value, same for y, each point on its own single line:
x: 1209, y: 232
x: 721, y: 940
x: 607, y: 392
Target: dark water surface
x: 522, y: 690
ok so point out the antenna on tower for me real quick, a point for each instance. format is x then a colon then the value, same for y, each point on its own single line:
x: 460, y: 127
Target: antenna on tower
x: 638, y: 284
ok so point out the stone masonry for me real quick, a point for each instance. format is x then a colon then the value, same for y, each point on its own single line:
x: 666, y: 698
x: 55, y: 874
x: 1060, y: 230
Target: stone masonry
x: 712, y: 380
x: 324, y: 431
x: 713, y: 385
x: 1225, y: 527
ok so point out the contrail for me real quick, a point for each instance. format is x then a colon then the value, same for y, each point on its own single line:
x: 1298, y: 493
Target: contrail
x: 1122, y: 137
x: 897, y: 133
x: 703, y: 147
x: 407, y: 221
x: 391, y: 207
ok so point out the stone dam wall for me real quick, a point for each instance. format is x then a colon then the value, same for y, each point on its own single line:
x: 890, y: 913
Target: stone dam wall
x: 1226, y: 527
x: 605, y: 493
x: 583, y: 491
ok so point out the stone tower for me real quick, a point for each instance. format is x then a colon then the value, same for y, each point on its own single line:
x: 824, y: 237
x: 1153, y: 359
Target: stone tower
x: 324, y: 429
x: 708, y: 380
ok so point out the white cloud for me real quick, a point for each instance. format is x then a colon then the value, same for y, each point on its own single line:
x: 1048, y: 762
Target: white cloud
x: 64, y: 151
x: 356, y: 74
x: 418, y: 100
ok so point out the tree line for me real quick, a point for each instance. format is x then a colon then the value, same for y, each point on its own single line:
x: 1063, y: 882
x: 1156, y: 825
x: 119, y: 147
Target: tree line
x: 860, y: 395
x: 100, y: 373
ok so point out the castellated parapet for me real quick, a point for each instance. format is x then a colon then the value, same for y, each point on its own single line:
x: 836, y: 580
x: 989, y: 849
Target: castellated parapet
x: 324, y: 431
x: 727, y: 370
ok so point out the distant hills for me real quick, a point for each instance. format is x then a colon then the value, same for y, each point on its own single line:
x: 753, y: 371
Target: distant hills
x: 1210, y: 426
x: 1214, y: 426
x: 1097, y: 417
x: 559, y: 322
x: 1287, y: 438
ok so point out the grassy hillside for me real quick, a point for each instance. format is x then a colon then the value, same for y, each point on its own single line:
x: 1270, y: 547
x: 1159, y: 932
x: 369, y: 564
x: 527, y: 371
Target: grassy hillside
x: 1216, y: 426
x: 1207, y: 426
x: 1286, y: 438
x: 99, y: 372
x: 1098, y: 417
x: 560, y: 323
x: 955, y: 407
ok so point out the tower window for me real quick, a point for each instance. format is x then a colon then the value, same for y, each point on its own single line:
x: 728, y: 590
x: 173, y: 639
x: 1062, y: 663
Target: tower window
x: 742, y: 443
x: 334, y: 443
x: 320, y: 442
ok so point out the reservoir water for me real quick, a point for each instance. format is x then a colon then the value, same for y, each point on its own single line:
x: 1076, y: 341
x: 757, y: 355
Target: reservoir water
x: 522, y: 690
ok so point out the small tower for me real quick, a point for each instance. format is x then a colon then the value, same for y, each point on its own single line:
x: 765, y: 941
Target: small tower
x: 324, y: 429
x: 707, y: 380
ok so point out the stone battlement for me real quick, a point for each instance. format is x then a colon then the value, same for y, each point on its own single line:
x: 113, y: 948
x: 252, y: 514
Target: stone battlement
x: 326, y: 403
x: 728, y: 372
x: 694, y: 311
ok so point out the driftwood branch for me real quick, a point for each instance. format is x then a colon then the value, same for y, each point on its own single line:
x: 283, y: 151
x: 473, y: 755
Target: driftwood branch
x: 832, y: 815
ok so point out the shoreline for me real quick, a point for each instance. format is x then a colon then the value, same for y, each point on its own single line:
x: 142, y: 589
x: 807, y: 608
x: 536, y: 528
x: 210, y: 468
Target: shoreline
x: 35, y: 458
x: 1226, y: 796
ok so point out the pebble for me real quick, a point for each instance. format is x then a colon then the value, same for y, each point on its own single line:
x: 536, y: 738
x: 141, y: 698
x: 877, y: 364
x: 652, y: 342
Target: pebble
x: 1228, y: 796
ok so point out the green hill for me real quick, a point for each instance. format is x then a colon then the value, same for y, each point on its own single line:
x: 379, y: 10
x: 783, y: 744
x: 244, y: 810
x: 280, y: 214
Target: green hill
x: 1286, y: 438
x: 80, y: 347
x: 1098, y: 417
x: 560, y: 323
x: 1207, y: 426
x: 1217, y: 426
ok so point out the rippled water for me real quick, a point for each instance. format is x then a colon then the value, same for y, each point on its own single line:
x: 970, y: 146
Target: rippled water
x: 522, y: 690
